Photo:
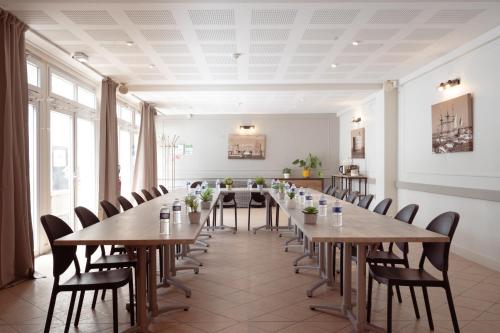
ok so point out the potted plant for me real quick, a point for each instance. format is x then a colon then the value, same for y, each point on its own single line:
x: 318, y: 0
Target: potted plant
x: 228, y: 181
x: 206, y: 198
x: 191, y: 202
x: 260, y: 182
x: 286, y: 173
x: 275, y: 186
x: 281, y: 191
x: 291, y: 203
x: 311, y: 162
x: 310, y: 215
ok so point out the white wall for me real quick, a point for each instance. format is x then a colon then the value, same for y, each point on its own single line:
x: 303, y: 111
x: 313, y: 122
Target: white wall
x: 478, y: 66
x: 288, y: 137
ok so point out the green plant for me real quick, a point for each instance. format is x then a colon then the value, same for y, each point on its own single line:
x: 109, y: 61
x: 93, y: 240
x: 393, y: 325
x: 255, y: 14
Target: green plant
x: 228, y: 181
x: 206, y: 195
x: 310, y: 210
x: 310, y: 162
x: 275, y: 186
x: 281, y: 186
x: 192, y: 202
x: 291, y: 195
x: 259, y: 181
x: 287, y: 170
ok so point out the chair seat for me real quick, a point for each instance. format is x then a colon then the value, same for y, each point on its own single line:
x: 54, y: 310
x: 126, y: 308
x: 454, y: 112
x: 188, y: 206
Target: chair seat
x: 402, y: 276
x: 383, y: 257
x: 98, y: 280
x: 114, y: 261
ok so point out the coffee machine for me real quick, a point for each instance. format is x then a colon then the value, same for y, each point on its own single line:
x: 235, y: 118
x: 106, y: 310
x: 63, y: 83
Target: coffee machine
x: 349, y: 169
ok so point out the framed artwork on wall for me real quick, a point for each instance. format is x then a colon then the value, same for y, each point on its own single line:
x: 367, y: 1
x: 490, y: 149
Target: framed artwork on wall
x: 358, y: 143
x: 452, y: 125
x: 252, y: 147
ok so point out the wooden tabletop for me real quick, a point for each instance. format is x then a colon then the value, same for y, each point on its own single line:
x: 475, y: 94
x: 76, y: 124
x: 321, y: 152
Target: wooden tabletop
x: 140, y: 226
x: 359, y: 225
x: 349, y: 176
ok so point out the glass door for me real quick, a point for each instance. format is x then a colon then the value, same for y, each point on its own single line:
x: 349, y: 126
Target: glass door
x: 86, y: 178
x: 33, y: 170
x: 61, y: 166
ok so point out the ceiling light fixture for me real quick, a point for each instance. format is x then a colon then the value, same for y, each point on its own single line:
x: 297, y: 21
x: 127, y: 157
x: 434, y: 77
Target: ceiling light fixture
x: 448, y: 84
x: 236, y: 56
x: 123, y: 89
x: 151, y: 66
x: 356, y: 119
x: 355, y: 43
x: 129, y: 43
x: 333, y: 65
x: 81, y: 57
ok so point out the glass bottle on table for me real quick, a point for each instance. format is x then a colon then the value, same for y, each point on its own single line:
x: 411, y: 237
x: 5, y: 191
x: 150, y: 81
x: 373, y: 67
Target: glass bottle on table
x: 308, y: 200
x: 337, y: 213
x: 322, y: 206
x: 164, y: 220
x: 217, y: 184
x: 177, y: 208
x: 249, y: 184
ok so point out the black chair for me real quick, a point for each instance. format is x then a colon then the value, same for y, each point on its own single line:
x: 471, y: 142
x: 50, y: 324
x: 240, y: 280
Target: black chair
x: 111, y: 210
x: 383, y: 206
x: 63, y: 257
x: 138, y: 198
x: 352, y: 197
x: 163, y: 189
x: 332, y: 190
x: 327, y: 189
x: 365, y: 201
x: 196, y: 183
x: 340, y: 194
x: 406, y: 215
x: 156, y: 192
x: 438, y: 256
x: 228, y: 201
x: 147, y: 195
x: 126, y: 205
x: 257, y: 200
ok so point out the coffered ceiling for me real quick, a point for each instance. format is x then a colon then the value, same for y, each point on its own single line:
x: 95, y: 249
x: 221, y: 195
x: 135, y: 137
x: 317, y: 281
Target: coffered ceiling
x: 181, y: 52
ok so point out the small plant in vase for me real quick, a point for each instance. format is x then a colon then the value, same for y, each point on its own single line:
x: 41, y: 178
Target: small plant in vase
x: 191, y: 202
x: 291, y: 203
x: 311, y: 162
x: 281, y: 191
x: 260, y: 182
x: 286, y: 173
x: 275, y: 186
x: 206, y: 198
x: 228, y: 181
x: 310, y: 215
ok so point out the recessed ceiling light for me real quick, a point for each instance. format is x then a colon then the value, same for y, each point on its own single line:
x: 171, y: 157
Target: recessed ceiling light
x: 333, y: 65
x: 151, y: 66
x: 129, y: 43
x: 81, y: 57
x: 355, y: 43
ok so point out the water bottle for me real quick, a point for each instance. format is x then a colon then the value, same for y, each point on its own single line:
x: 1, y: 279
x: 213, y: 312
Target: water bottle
x: 301, y: 196
x: 164, y: 220
x: 337, y: 213
x: 188, y: 185
x: 249, y: 184
x: 204, y: 185
x: 308, y: 201
x: 322, y: 206
x: 217, y: 185
x: 176, y: 207
x: 287, y: 186
x: 197, y: 191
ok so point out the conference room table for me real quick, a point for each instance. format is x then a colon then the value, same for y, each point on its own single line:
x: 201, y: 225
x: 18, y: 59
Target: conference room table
x: 139, y: 228
x: 363, y: 229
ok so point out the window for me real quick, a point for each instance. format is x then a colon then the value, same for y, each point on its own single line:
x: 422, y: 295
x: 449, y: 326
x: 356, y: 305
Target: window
x: 138, y: 119
x: 62, y: 87
x: 124, y: 113
x: 33, y: 74
x: 127, y: 144
x: 86, y: 97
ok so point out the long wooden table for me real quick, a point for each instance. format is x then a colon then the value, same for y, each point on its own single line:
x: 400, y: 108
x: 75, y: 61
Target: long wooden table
x: 139, y: 228
x: 361, y: 228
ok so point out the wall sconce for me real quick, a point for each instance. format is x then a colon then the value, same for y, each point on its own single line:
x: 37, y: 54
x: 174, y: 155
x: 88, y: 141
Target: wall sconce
x: 247, y: 128
x: 448, y: 84
x: 356, y: 120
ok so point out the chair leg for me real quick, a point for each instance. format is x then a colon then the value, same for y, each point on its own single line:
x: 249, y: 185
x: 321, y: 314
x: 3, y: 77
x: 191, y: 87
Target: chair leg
x: 235, y: 217
x: 131, y: 301
x: 428, y: 308
x: 342, y: 270
x: 160, y: 259
x: 334, y: 262
x: 277, y: 215
x: 249, y: 216
x: 398, y: 292
x: 369, y: 301
x: 94, y: 299
x: 453, y: 314
x: 115, y: 311
x: 414, y: 301
x: 50, y: 313
x: 389, y: 308
x: 70, y: 311
x: 79, y: 308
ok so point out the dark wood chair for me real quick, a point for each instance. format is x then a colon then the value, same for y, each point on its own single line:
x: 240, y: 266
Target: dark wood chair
x: 437, y: 254
x: 352, y: 197
x: 383, y: 206
x: 138, y: 198
x: 257, y: 200
x: 147, y: 195
x: 365, y: 201
x: 111, y: 210
x: 63, y: 257
x: 126, y: 205
x: 163, y: 189
x: 340, y: 194
x: 156, y: 192
x: 327, y: 189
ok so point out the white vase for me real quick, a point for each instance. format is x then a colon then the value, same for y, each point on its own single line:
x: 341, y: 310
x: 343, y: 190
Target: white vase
x: 194, y: 217
x: 286, y: 175
x: 291, y: 204
x: 281, y: 195
x: 310, y: 218
x: 260, y: 187
x: 205, y: 204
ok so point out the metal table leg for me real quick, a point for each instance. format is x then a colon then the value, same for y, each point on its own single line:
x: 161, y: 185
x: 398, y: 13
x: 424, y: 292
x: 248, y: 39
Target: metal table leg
x: 268, y: 216
x: 169, y: 271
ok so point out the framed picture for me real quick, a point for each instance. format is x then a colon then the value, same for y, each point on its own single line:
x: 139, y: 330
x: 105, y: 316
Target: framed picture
x: 452, y: 125
x: 358, y: 143
x: 251, y: 147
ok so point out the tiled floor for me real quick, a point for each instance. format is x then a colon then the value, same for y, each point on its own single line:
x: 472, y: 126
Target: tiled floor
x: 247, y: 284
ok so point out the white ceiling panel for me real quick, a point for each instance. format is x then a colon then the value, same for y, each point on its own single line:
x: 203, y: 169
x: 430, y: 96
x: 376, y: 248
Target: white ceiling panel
x: 150, y: 17
x: 212, y: 16
x: 89, y: 17
x: 273, y: 16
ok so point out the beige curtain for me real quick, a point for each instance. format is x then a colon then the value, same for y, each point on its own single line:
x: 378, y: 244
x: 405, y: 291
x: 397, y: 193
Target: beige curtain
x: 16, y: 235
x: 145, y: 171
x: 108, y: 144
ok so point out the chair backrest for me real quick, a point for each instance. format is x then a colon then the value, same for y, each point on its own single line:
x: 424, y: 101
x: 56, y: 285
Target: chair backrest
x: 438, y: 253
x: 332, y: 190
x: 156, y: 192
x: 138, y: 198
x: 340, y: 194
x: 383, y: 206
x: 365, y: 201
x: 63, y: 256
x: 87, y: 218
x: 327, y: 189
x: 196, y: 183
x: 352, y: 197
x: 257, y: 197
x: 147, y: 195
x: 109, y: 208
x: 163, y: 189
x: 126, y: 205
x: 228, y: 197
x: 406, y: 214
